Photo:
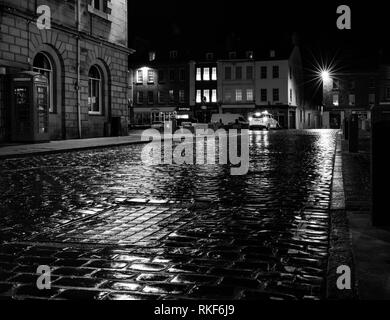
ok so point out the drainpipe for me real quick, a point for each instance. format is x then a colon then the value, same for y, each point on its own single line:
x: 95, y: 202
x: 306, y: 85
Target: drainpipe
x: 78, y: 69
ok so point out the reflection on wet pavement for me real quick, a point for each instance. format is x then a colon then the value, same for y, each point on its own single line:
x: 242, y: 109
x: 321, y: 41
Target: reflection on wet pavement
x: 112, y: 228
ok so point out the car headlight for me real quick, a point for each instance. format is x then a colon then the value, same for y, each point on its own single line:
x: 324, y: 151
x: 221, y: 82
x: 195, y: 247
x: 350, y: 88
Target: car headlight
x: 250, y: 118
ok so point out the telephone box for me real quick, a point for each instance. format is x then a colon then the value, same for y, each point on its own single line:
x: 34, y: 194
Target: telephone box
x: 29, y: 107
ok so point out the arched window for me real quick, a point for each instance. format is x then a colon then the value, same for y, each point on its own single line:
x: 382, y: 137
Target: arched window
x: 42, y: 64
x: 95, y: 91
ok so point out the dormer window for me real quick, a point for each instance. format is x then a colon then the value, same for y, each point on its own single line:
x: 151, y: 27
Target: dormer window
x: 152, y: 56
x: 272, y: 54
x: 101, y: 8
x: 232, y: 55
x: 209, y: 56
x: 173, y: 54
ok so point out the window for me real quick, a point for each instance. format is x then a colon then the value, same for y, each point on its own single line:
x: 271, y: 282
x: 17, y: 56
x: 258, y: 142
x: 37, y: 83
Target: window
x: 263, y: 72
x: 272, y: 53
x: 173, y: 54
x: 371, y: 98
x: 182, y: 75
x: 335, y: 84
x: 228, y: 95
x: 206, y: 95
x: 171, y: 96
x: 232, y: 55
x: 214, y: 74
x: 249, y: 94
x: 150, y: 76
x: 228, y: 73
x: 95, y: 91
x: 238, y: 95
x: 263, y: 94
x: 160, y: 98
x: 171, y: 75
x: 275, y: 94
x: 152, y: 56
x: 309, y: 119
x: 198, y: 96
x: 161, y: 76
x: 206, y: 74
x: 275, y: 72
x: 335, y: 99
x: 140, y: 97
x: 291, y: 95
x: 209, y: 56
x: 214, y: 95
x: 140, y: 76
x: 351, y: 99
x: 238, y: 73
x: 181, y: 96
x: 249, y: 72
x: 150, y: 97
x: 387, y: 93
x: 198, y: 74
x: 101, y: 5
x: 43, y: 65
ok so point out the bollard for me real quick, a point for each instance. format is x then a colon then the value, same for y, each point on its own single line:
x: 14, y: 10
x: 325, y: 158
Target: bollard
x: 380, y: 159
x: 346, y: 128
x: 353, y: 134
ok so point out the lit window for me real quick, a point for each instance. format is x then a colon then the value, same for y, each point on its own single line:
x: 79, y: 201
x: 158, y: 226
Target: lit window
x: 249, y: 94
x: 198, y: 96
x: 198, y: 74
x: 206, y: 96
x: 140, y: 76
x: 43, y: 65
x: 335, y: 99
x: 214, y: 73
x: 181, y: 96
x: 238, y: 95
x: 150, y: 76
x: 95, y: 91
x: 152, y: 56
x: 351, y: 99
x: 206, y: 74
x: 291, y: 95
x: 275, y: 94
x: 214, y: 95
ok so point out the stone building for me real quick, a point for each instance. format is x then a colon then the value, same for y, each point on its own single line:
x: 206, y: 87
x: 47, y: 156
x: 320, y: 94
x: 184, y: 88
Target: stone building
x: 83, y: 51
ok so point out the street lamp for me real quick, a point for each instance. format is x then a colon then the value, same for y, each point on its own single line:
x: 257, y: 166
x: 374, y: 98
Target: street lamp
x: 325, y: 76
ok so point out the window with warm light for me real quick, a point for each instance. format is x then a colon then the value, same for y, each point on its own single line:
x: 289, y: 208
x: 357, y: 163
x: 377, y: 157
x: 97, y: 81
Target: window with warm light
x: 206, y: 74
x: 198, y: 96
x: 150, y: 76
x: 249, y: 94
x: 335, y: 99
x: 198, y: 74
x: 214, y: 95
x: 238, y: 95
x: 214, y: 74
x: 140, y: 76
x: 206, y: 95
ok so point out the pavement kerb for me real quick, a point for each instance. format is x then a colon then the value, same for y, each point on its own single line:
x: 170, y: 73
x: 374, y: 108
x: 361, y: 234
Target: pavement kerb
x: 340, y: 236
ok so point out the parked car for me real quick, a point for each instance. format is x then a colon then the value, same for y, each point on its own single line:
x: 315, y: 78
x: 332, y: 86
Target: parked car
x: 263, y: 120
x: 230, y: 119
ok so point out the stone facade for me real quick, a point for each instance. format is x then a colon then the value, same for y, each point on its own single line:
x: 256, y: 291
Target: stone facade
x: 103, y: 44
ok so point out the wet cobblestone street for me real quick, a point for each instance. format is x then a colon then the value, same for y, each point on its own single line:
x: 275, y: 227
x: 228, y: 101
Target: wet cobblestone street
x: 112, y: 228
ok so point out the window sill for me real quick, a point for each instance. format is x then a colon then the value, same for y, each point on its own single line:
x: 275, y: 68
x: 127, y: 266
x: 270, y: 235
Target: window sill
x: 91, y: 113
x: 99, y: 13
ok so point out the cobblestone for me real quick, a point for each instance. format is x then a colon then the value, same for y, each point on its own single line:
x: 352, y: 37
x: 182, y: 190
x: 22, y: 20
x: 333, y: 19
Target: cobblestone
x: 111, y: 228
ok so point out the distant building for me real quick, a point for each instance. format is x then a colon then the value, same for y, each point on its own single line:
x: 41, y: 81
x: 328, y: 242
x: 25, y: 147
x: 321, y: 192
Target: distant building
x: 160, y: 88
x: 103, y: 53
x: 204, y: 98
